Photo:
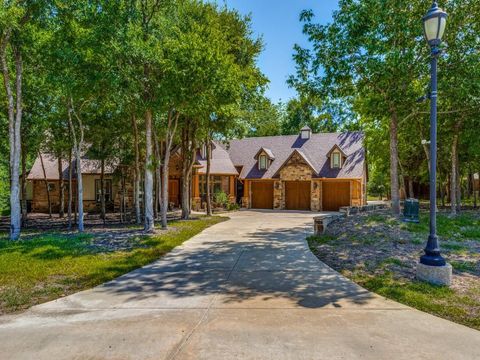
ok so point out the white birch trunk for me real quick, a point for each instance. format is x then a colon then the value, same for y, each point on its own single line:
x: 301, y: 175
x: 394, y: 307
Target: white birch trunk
x: 14, y: 125
x: 149, y: 218
x: 136, y: 190
x: 171, y: 130
x: 77, y: 145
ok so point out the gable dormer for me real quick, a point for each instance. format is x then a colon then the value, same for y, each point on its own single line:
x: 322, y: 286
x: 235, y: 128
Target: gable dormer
x: 264, y: 158
x: 305, y: 133
x: 337, y: 157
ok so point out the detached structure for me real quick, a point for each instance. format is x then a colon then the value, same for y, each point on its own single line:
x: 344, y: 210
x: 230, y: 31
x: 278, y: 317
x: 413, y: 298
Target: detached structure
x: 37, y: 196
x: 317, y: 172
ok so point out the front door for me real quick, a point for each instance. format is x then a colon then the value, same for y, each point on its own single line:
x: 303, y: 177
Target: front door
x: 174, y: 191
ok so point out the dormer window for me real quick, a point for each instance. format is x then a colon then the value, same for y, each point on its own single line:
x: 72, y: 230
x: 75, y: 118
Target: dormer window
x: 262, y: 162
x: 305, y: 133
x: 336, y: 160
x: 337, y: 157
x: 264, y: 158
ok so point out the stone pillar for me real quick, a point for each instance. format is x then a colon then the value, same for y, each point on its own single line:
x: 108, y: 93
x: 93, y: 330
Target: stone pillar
x: 315, y: 195
x: 278, y: 192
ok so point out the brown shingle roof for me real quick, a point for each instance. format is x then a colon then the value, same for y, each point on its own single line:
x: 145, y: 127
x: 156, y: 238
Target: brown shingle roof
x: 50, y: 163
x: 314, y: 150
x: 220, y: 164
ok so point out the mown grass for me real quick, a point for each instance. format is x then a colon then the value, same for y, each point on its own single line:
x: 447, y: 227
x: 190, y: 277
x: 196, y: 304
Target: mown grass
x: 461, y: 227
x: 49, y: 266
x: 437, y: 300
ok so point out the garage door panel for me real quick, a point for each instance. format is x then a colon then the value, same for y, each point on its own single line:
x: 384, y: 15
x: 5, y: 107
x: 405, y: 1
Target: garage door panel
x: 262, y: 195
x: 297, y: 195
x: 335, y: 194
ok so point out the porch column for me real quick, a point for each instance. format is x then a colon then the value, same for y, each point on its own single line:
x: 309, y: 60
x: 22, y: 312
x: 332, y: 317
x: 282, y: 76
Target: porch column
x: 232, y: 196
x: 196, y: 203
x: 246, y: 194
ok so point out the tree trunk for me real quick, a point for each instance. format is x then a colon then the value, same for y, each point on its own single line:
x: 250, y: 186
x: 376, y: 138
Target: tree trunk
x: 24, y: 186
x: 70, y: 188
x: 207, y: 176
x: 158, y: 175
x: 442, y: 193
x: 426, y: 149
x: 410, y: 188
x: 47, y: 188
x: 459, y: 184
x: 475, y: 193
x: 469, y: 184
x: 78, y: 145
x: 123, y: 204
x: 149, y: 219
x: 188, y: 153
x: 170, y: 133
x: 137, y: 176
x: 103, y: 214
x: 454, y: 179
x: 14, y: 126
x: 394, y: 186
x: 61, y: 188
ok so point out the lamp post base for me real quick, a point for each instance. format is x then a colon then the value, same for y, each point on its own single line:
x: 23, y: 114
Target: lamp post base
x: 438, y: 275
x: 432, y: 259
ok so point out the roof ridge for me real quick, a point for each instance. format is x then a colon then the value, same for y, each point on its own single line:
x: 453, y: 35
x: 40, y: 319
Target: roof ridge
x: 313, y: 134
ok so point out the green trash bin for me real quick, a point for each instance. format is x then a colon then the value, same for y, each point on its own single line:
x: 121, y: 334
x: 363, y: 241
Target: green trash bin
x: 411, y: 210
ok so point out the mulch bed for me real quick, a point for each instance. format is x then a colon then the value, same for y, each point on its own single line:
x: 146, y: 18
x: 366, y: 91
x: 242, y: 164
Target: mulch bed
x: 378, y: 243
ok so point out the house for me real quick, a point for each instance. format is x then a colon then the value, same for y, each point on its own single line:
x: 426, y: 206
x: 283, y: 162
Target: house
x: 317, y: 172
x: 301, y: 172
x: 49, y: 173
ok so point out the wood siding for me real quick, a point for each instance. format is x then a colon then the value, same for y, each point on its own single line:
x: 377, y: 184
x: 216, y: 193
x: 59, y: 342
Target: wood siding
x: 297, y: 195
x: 262, y: 194
x: 335, y: 194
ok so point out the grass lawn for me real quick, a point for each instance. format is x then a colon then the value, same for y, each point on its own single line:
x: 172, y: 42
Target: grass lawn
x: 379, y: 252
x: 53, y: 265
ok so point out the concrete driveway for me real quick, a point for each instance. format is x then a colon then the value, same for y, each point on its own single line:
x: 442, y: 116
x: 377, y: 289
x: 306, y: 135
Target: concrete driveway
x: 248, y: 288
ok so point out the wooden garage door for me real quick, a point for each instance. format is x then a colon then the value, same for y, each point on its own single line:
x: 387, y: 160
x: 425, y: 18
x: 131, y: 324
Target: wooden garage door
x: 262, y: 195
x: 335, y: 195
x: 297, y: 195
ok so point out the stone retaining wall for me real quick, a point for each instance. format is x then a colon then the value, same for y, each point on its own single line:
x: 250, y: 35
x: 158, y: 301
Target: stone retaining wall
x: 321, y: 222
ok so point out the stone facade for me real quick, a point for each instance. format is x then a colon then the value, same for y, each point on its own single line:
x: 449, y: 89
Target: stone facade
x: 278, y: 195
x: 296, y: 169
x: 316, y: 195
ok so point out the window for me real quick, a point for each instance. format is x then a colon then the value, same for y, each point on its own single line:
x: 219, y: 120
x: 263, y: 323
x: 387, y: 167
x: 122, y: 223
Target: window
x: 108, y: 190
x: 305, y: 134
x: 217, y: 184
x: 51, y: 186
x: 262, y: 162
x: 336, y: 160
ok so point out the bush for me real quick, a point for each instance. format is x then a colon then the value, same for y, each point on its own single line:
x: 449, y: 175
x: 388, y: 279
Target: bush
x: 221, y: 198
x: 233, y: 207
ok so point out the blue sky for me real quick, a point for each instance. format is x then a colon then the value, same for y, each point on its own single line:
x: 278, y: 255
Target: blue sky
x: 277, y: 21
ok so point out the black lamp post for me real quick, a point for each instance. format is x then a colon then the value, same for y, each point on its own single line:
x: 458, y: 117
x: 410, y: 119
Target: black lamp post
x: 434, y: 26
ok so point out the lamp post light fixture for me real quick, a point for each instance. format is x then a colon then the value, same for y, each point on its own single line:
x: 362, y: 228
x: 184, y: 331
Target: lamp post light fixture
x: 433, y: 26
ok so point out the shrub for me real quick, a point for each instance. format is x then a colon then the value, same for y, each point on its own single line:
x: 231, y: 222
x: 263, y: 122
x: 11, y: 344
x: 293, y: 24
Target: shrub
x: 232, y: 206
x: 221, y: 198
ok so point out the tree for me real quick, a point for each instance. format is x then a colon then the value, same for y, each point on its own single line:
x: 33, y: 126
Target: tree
x: 369, y: 57
x: 13, y: 20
